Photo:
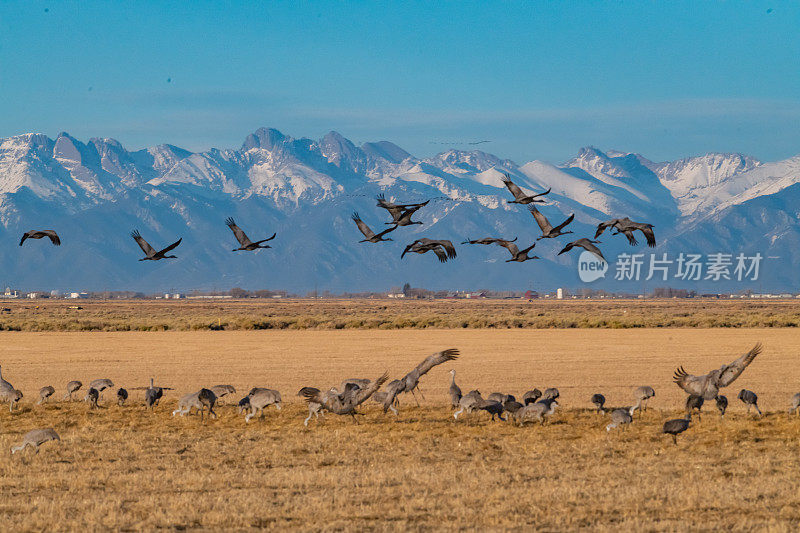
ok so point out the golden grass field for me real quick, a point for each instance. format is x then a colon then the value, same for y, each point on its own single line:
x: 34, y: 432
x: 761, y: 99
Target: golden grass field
x: 125, y: 468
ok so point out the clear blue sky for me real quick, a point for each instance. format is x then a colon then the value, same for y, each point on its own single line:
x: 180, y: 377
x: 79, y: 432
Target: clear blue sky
x: 537, y: 79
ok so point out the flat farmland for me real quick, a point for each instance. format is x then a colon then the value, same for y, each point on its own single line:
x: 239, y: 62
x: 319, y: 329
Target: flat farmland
x: 335, y: 314
x: 126, y: 468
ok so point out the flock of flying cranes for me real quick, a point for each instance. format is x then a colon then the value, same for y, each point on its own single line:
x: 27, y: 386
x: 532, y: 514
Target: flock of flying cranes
x: 345, y: 399
x: 442, y: 248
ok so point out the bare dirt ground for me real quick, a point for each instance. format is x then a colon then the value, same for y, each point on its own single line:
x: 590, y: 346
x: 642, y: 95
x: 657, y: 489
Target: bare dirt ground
x: 125, y: 468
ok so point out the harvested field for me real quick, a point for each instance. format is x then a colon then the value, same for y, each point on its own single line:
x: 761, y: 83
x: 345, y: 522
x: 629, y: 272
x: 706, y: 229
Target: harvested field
x: 124, y: 468
x: 267, y: 314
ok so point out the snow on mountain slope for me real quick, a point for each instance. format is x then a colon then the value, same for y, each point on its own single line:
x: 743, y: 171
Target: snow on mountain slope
x: 305, y: 190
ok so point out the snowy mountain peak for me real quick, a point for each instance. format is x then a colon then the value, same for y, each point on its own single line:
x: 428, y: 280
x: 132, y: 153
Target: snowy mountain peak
x: 266, y: 138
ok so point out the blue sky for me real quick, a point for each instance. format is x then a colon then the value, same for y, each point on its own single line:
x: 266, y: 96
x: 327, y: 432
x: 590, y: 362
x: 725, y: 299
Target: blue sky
x: 537, y: 79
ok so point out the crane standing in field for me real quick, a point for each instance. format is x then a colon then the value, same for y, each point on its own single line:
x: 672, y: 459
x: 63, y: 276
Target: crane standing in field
x: 454, y: 391
x: 72, y: 387
x: 8, y: 393
x: 36, y: 438
x: 245, y: 243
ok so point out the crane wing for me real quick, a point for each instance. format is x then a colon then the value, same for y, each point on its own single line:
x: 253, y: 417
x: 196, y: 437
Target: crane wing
x: 24, y: 236
x: 448, y: 246
x: 143, y: 244
x: 394, y: 388
x: 594, y: 249
x: 436, y: 359
x: 368, y: 233
x: 691, y: 384
x: 729, y: 373
x: 544, y: 224
x: 605, y: 225
x: 440, y: 253
x: 362, y: 395
x: 508, y: 245
x: 650, y: 235
x: 171, y: 246
x: 565, y: 223
x: 237, y: 232
x: 515, y: 190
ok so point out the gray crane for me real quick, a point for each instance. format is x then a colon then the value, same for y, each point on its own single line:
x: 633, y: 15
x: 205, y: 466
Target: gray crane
x: 586, y: 244
x: 443, y: 248
x: 722, y: 404
x: 454, y: 391
x: 621, y: 417
x: 642, y: 394
x: 8, y: 393
x: 519, y: 196
x: 245, y: 244
x: 487, y: 240
x: 676, y: 426
x: 260, y: 400
x: 200, y: 400
x: 599, y: 402
x: 72, y: 387
x: 411, y: 380
x: 369, y: 235
x: 492, y: 407
x: 346, y: 402
x: 92, y: 395
x: 389, y: 397
x: 122, y: 396
x: 548, y: 231
x: 517, y: 255
x: 468, y: 402
x: 794, y: 405
x: 101, y: 384
x: 539, y: 411
x: 150, y: 253
x: 223, y: 390
x: 708, y: 385
x: 401, y: 213
x: 532, y: 396
x: 551, y: 394
x: 750, y: 399
x: 45, y: 393
x: 694, y: 403
x: 39, y: 234
x: 626, y: 226
x: 36, y: 438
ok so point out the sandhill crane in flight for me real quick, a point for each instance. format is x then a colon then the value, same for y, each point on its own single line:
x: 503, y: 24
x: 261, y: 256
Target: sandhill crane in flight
x: 676, y: 426
x: 401, y: 213
x: 517, y: 255
x: 519, y: 196
x: 149, y: 252
x: 36, y: 438
x: 346, y: 402
x: 443, y: 249
x: 548, y: 231
x: 627, y: 226
x: 369, y: 235
x: 411, y: 380
x: 488, y: 240
x: 586, y: 244
x: 39, y: 234
x: 244, y: 242
x: 708, y: 386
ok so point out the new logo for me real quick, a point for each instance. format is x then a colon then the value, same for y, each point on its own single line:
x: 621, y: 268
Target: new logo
x: 591, y: 267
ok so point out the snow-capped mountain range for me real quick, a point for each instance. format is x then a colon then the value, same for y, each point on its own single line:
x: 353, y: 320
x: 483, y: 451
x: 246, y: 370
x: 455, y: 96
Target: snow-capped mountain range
x: 95, y: 193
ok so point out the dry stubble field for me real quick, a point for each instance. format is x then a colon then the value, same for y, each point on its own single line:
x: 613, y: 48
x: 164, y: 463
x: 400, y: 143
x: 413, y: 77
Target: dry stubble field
x: 124, y: 468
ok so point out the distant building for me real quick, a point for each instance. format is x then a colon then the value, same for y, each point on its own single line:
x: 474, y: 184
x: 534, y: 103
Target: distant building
x: 396, y: 295
x: 531, y: 295
x: 11, y: 293
x: 560, y: 294
x: 78, y: 295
